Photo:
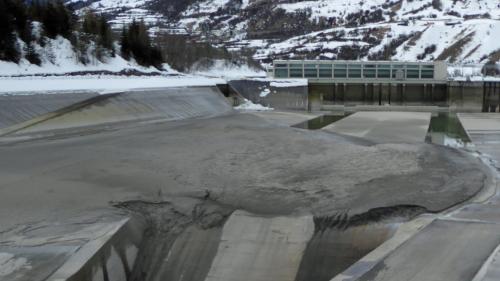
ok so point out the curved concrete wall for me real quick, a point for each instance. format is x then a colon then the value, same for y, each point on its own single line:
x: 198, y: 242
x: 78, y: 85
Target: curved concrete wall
x: 17, y: 109
x: 110, y: 257
x: 144, y: 105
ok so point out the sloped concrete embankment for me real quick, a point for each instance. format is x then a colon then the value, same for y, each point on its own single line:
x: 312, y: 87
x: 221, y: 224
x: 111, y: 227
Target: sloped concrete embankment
x: 219, y: 243
x: 123, y: 107
x: 19, y: 111
x: 262, y: 92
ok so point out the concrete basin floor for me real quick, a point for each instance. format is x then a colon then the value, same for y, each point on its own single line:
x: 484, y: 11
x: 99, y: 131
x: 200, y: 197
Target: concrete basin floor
x: 274, y: 177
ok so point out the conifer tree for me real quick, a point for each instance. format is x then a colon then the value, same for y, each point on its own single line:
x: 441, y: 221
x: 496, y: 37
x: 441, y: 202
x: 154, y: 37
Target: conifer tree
x: 8, y: 48
x: 136, y: 43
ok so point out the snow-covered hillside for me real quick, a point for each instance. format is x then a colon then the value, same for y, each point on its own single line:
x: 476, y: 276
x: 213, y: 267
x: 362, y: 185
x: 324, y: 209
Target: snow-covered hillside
x: 460, y: 31
x: 58, y: 56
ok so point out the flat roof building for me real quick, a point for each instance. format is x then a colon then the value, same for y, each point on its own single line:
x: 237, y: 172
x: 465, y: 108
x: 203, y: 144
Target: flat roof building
x: 327, y: 71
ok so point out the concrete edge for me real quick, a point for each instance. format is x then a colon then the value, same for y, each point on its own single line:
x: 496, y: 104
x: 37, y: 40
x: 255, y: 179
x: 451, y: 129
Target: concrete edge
x: 404, y: 232
x: 54, y: 114
x: 480, y: 275
x: 459, y: 115
x: 409, y: 229
x: 82, y: 262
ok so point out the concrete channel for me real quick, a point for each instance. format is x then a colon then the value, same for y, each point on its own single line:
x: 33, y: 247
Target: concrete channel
x: 224, y: 195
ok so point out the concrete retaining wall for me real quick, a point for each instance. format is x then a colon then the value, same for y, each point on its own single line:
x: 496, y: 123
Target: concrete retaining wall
x: 465, y: 96
x: 144, y: 105
x: 285, y: 98
x: 109, y: 258
x: 16, y: 109
x: 350, y: 94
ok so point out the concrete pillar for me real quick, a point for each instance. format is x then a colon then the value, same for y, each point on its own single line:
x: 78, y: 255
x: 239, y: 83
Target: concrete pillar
x: 497, y: 85
x: 390, y: 93
x: 403, y: 93
x: 335, y: 89
x: 448, y: 102
x: 344, y: 91
x: 462, y: 86
x: 485, y: 103
x: 380, y: 94
x: 432, y: 93
x: 425, y: 94
x: 364, y: 93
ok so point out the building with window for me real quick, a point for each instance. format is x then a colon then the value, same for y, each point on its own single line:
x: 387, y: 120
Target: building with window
x: 322, y: 71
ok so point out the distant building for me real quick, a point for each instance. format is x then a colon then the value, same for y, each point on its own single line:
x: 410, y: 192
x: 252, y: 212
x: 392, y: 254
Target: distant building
x: 360, y: 71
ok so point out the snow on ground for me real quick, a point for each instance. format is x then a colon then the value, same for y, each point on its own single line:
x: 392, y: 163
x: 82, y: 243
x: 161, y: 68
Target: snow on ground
x: 480, y: 37
x: 264, y: 93
x: 224, y: 69
x: 205, y: 7
x: 283, y: 83
x: 58, y: 57
x: 103, y: 83
x: 331, y: 8
x: 250, y: 106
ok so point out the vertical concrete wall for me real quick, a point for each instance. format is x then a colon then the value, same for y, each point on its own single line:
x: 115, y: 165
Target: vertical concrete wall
x: 491, y: 100
x: 109, y: 260
x: 465, y: 96
x: 287, y: 98
x: 351, y: 94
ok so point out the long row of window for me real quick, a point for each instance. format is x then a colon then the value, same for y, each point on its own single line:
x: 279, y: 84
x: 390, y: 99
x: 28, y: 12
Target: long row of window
x: 396, y: 71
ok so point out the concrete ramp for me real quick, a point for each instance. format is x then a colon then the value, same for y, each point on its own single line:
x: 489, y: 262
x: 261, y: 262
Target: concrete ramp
x: 384, y: 127
x: 484, y: 131
x: 18, y: 109
x: 137, y: 106
x: 255, y: 248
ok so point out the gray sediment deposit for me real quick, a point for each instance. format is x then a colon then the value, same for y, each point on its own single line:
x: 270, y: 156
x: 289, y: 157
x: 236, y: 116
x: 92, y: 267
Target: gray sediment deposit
x: 231, y: 197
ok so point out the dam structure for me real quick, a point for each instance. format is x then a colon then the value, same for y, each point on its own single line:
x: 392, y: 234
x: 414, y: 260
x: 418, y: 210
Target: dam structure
x: 175, y: 183
x: 350, y: 83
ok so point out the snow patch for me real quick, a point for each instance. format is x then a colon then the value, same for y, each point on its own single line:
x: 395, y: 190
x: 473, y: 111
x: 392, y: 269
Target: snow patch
x: 264, y: 93
x: 282, y: 83
x: 247, y: 105
x: 59, y: 57
x: 228, y: 70
x: 102, y: 84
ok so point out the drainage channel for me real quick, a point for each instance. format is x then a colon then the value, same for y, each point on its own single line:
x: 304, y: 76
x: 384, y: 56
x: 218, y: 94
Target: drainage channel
x: 446, y: 129
x: 215, y: 241
x: 321, y: 121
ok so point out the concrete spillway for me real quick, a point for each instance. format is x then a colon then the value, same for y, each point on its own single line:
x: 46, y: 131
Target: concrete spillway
x: 17, y: 111
x: 261, y: 248
x: 51, y: 112
x: 224, y: 196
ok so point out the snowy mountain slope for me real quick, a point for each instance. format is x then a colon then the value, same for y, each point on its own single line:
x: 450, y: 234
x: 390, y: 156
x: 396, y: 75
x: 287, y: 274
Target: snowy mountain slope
x: 59, y: 56
x: 460, y: 31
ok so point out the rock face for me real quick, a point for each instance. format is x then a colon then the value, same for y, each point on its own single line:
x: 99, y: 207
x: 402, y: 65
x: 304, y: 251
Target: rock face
x: 456, y: 31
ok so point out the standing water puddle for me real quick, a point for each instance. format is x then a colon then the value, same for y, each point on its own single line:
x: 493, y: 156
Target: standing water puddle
x: 320, y: 121
x: 445, y: 129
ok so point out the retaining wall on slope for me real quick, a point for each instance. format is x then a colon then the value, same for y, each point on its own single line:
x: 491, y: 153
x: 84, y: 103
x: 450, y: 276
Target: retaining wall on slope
x: 140, y: 105
x: 17, y: 109
x: 110, y: 257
